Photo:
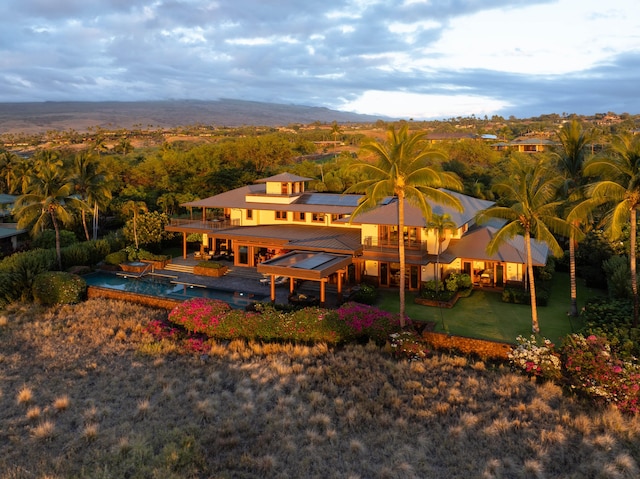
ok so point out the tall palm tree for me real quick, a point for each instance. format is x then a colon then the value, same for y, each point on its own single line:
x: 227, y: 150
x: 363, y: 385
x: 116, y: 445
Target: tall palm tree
x: 619, y: 186
x: 403, y: 169
x: 91, y: 184
x: 335, y: 131
x: 531, y: 189
x: 48, y: 200
x: 134, y: 208
x: 575, y: 141
x: 440, y: 224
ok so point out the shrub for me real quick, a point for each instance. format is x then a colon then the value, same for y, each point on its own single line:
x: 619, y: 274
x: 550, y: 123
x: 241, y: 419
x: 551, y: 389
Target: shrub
x: 458, y: 281
x: 592, y: 368
x: 618, y: 274
x: 210, y: 265
x: 366, y: 294
x: 536, y: 360
x: 200, y: 315
x: 116, y: 258
x: 47, y: 239
x: 58, y: 287
x: 149, y: 256
x: 366, y: 322
x: 613, y: 319
x: 21, y: 270
x: 408, y: 345
x: 75, y: 255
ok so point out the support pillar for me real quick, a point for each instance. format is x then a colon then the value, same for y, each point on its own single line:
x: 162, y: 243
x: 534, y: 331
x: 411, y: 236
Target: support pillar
x: 184, y: 245
x: 322, y: 291
x: 273, y: 288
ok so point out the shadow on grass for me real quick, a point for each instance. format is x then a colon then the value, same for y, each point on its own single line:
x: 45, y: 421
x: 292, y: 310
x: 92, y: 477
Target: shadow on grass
x: 483, y: 315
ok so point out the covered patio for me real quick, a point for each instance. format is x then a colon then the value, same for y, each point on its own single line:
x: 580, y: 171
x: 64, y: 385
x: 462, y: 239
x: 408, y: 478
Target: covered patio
x: 308, y: 266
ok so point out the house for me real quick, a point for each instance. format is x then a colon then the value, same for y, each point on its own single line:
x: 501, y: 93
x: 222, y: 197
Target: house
x: 280, y: 228
x: 525, y: 145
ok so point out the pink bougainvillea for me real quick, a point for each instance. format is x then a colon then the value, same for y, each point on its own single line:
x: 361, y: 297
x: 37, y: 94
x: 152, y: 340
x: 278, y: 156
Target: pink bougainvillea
x: 199, y: 315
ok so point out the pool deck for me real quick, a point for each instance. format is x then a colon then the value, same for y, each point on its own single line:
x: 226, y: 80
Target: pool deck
x: 243, y: 279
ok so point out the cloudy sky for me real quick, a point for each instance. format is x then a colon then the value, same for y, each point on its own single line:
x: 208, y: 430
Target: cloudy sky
x: 420, y: 59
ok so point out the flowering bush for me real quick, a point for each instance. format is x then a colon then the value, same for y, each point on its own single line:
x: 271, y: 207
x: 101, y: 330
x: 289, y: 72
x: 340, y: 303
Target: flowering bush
x: 364, y: 321
x: 592, y: 368
x: 408, y: 345
x: 161, y: 330
x: 200, y: 315
x: 536, y: 360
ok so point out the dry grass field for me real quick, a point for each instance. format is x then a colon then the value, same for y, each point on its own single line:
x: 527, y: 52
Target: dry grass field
x: 85, y: 394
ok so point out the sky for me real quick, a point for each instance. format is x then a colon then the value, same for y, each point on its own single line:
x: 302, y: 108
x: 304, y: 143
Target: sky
x: 408, y: 59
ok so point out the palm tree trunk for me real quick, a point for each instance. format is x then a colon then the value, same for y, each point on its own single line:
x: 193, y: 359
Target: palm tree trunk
x: 535, y: 327
x: 95, y: 220
x: 57, y: 230
x: 401, y: 255
x: 83, y: 214
x: 573, y: 310
x: 632, y: 259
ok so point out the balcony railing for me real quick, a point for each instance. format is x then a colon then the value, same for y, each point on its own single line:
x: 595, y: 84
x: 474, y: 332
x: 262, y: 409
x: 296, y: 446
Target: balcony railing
x: 204, y: 225
x: 372, y: 243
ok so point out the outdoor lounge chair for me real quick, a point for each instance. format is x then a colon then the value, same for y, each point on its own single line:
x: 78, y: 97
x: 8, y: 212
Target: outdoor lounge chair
x: 278, y: 280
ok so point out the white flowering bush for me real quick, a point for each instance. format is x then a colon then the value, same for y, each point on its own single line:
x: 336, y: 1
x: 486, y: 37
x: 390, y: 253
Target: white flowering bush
x: 539, y: 360
x: 408, y: 345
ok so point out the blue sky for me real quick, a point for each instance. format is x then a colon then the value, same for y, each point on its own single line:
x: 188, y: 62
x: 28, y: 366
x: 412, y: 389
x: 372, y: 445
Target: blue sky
x: 420, y: 59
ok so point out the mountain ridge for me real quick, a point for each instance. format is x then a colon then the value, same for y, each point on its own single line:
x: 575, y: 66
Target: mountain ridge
x: 39, y: 117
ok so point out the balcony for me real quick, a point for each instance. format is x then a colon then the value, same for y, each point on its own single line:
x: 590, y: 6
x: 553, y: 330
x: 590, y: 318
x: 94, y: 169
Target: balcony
x: 184, y: 224
x: 413, y: 248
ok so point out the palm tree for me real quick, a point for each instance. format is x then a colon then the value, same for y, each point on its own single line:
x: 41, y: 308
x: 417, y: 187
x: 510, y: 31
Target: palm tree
x: 440, y: 224
x: 91, y: 184
x: 403, y: 170
x: 531, y: 188
x: 619, y: 187
x: 335, y: 131
x: 134, y: 208
x: 9, y: 165
x: 575, y: 141
x: 49, y: 198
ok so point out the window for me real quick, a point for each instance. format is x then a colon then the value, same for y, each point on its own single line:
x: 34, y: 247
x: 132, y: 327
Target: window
x: 284, y: 188
x: 317, y: 217
x: 249, y: 214
x: 281, y: 215
x: 335, y: 217
x: 299, y: 216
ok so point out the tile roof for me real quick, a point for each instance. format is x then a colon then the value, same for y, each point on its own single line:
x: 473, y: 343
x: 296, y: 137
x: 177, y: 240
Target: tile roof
x: 310, y: 238
x: 283, y: 178
x: 473, y: 245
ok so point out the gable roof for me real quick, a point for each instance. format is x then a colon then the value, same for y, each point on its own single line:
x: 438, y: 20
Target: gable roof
x: 473, y: 245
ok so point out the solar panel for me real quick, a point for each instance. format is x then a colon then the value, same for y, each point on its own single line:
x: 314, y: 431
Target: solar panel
x: 313, y: 262
x: 329, y: 199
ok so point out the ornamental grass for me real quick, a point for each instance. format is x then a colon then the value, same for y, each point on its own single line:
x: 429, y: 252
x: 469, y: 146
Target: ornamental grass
x: 277, y: 410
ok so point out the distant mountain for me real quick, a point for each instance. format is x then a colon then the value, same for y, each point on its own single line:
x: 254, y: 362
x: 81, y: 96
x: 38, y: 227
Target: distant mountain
x: 46, y: 116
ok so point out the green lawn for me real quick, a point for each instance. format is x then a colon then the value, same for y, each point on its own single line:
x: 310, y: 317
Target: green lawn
x: 484, y: 315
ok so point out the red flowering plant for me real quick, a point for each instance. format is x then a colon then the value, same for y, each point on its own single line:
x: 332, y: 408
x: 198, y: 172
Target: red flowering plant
x: 200, y: 315
x: 365, y: 321
x: 592, y: 368
x: 161, y: 330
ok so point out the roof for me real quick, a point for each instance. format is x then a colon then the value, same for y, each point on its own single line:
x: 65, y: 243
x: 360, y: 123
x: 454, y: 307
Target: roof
x: 473, y: 245
x: 8, y: 230
x: 388, y: 214
x: 283, y: 178
x: 305, y: 265
x: 311, y: 202
x: 309, y: 238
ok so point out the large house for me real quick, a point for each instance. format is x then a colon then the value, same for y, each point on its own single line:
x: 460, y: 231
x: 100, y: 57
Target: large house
x: 281, y: 229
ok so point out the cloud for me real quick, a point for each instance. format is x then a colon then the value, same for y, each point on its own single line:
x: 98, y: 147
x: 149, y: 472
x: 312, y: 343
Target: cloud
x: 439, y: 58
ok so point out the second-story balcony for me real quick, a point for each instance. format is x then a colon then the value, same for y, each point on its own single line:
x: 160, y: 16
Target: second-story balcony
x: 186, y: 224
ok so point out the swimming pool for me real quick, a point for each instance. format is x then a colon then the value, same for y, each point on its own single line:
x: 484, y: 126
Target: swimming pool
x: 164, y: 287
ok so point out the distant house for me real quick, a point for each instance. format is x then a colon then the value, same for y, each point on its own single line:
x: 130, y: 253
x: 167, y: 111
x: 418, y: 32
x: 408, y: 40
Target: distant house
x: 525, y: 145
x: 281, y: 229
